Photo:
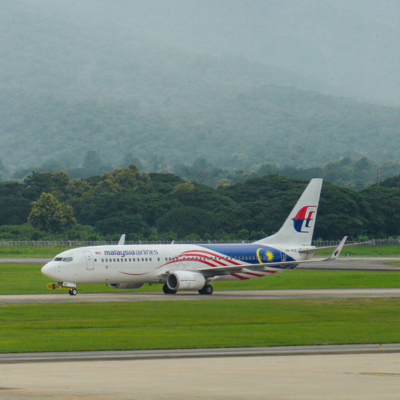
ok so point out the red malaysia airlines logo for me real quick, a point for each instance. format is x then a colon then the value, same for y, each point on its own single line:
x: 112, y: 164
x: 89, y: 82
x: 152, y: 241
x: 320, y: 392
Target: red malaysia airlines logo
x: 302, y: 220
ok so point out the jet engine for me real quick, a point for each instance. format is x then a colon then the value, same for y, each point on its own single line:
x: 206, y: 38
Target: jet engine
x: 185, y: 280
x: 125, y: 285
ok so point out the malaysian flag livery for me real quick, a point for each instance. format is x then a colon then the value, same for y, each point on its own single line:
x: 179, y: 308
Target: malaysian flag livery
x: 303, y: 221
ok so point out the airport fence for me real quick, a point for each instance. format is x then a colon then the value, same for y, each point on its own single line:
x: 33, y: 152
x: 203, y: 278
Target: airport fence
x: 82, y: 243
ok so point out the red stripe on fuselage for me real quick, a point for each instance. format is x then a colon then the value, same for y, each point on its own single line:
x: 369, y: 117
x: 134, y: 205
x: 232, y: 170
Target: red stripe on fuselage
x: 212, y: 254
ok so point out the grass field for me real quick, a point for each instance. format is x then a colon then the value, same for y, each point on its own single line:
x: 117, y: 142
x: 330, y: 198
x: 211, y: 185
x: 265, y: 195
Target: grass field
x: 27, y: 279
x: 50, y: 252
x: 367, y: 251
x: 165, y: 325
x: 27, y: 252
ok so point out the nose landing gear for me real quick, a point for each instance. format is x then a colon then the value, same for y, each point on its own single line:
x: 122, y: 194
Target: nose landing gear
x: 73, y: 292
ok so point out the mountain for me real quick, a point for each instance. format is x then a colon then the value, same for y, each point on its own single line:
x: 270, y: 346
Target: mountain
x: 234, y: 82
x: 264, y: 125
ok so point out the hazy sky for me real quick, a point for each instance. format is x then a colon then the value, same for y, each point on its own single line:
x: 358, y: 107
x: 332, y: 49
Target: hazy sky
x: 352, y: 46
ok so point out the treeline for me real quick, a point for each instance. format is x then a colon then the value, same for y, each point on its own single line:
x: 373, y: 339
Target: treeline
x: 159, y: 206
x: 353, y: 173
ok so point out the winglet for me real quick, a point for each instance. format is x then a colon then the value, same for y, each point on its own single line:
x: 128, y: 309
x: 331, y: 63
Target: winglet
x: 337, y: 251
x: 122, y: 240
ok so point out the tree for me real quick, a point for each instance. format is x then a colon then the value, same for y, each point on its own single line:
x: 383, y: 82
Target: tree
x: 92, y: 160
x: 129, y: 159
x: 48, y: 214
x: 3, y: 167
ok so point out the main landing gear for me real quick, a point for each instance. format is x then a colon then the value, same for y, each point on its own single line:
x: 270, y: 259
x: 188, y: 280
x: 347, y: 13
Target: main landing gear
x: 207, y: 289
x: 73, y: 292
x: 167, y: 290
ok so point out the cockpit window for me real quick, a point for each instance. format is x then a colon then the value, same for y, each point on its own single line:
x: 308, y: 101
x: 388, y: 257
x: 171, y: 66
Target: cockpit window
x: 63, y: 259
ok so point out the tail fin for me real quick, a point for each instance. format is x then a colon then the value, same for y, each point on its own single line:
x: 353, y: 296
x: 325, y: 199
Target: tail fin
x: 298, y: 229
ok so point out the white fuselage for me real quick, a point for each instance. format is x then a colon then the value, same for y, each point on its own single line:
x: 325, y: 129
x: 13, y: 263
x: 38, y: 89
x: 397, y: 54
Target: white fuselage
x: 151, y: 263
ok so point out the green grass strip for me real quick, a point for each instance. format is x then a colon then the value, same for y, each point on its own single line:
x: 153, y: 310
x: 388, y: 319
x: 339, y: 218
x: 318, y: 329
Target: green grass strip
x: 28, y: 252
x: 367, y: 251
x: 218, y: 324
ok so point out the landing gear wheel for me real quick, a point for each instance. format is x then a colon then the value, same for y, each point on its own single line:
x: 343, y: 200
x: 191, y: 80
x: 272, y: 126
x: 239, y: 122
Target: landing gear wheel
x: 73, y: 292
x: 167, y: 290
x: 207, y: 289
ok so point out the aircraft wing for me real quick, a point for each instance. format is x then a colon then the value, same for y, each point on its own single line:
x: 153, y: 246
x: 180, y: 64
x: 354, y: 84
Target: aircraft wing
x: 211, y: 271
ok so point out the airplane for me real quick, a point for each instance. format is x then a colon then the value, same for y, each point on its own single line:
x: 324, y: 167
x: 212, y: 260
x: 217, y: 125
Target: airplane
x: 194, y: 266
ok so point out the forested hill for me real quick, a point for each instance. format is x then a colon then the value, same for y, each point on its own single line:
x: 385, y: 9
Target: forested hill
x: 264, y: 125
x: 165, y: 207
x: 79, y: 76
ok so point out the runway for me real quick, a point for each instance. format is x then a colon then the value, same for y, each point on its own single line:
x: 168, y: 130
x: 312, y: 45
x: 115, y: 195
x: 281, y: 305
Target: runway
x: 20, y: 358
x: 369, y: 376
x: 64, y: 297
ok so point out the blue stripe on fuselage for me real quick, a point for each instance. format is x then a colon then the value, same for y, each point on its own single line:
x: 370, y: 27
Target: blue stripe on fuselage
x: 249, y: 252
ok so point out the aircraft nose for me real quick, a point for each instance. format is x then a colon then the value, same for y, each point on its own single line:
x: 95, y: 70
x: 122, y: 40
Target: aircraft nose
x: 50, y: 270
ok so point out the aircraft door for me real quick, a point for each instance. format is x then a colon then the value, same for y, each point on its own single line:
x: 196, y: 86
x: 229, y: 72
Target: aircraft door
x: 89, y: 260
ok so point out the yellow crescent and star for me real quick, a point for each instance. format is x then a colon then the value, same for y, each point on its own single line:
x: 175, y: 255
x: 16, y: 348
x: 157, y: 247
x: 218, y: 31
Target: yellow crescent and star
x: 268, y: 254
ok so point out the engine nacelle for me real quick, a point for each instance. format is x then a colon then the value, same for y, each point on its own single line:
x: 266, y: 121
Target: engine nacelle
x: 125, y: 285
x: 185, y: 280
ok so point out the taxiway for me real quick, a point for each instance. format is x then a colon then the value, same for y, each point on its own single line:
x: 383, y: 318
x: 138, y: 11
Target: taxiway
x: 369, y: 376
x: 132, y: 296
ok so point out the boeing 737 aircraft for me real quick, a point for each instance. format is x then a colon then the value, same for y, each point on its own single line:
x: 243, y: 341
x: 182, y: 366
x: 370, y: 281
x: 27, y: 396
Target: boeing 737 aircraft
x: 190, y: 266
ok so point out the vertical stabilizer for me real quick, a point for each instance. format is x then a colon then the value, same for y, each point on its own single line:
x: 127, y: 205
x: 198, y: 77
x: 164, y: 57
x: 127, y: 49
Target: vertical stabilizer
x: 298, y: 229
